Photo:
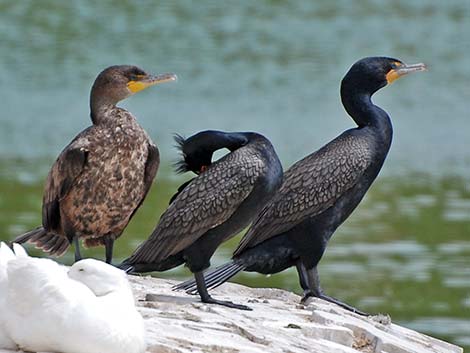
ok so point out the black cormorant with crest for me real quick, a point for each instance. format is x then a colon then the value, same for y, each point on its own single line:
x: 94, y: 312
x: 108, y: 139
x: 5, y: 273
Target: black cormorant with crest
x: 102, y: 177
x: 320, y: 191
x: 213, y: 207
x: 197, y: 152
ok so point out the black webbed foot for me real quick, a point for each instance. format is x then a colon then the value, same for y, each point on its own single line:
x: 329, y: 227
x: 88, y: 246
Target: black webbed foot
x: 206, y: 298
x: 210, y: 300
x: 311, y: 277
x: 309, y: 294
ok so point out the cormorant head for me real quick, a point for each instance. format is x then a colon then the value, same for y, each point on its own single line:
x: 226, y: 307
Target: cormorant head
x: 195, y: 158
x: 370, y: 74
x: 197, y: 150
x: 116, y: 83
x: 100, y: 277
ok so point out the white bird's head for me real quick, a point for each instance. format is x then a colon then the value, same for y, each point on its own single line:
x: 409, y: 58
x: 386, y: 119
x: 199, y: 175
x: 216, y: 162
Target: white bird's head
x: 100, y: 277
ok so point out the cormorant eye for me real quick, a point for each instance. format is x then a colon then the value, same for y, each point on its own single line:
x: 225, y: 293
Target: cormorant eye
x: 136, y: 75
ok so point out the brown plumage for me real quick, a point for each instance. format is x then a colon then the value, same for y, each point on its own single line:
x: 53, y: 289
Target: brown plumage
x: 102, y: 177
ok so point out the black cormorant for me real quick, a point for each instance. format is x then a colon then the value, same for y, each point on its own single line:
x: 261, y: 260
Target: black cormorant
x: 102, y: 177
x: 320, y: 191
x: 213, y: 207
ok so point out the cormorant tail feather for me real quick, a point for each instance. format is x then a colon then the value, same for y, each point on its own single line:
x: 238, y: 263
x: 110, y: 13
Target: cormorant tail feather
x: 52, y: 243
x: 213, y: 278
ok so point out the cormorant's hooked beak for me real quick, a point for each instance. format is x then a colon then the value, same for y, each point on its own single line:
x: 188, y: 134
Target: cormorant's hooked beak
x: 402, y: 70
x: 145, y: 81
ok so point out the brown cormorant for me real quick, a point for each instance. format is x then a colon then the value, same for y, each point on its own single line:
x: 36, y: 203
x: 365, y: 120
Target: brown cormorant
x: 320, y: 191
x: 213, y: 207
x: 102, y: 177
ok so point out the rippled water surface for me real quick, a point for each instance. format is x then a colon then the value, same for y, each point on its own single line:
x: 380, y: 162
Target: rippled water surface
x: 272, y: 67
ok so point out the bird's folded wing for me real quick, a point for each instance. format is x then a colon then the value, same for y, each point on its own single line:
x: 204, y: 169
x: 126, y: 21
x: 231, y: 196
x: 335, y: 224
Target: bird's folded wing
x: 310, y: 186
x: 36, y: 284
x: 62, y: 176
x: 208, y: 201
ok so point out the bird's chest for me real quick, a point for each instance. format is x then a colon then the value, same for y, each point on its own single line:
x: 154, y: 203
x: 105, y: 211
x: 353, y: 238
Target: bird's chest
x: 120, y: 148
x: 115, y: 165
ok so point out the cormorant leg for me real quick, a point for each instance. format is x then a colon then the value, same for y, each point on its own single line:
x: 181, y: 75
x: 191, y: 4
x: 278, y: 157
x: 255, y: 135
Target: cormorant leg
x: 206, y: 298
x: 109, y: 243
x: 302, y: 276
x: 316, y: 291
x: 76, y: 245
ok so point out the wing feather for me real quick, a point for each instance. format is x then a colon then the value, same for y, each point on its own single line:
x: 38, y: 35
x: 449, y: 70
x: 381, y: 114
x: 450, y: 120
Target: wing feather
x: 62, y: 176
x: 206, y: 202
x: 311, y: 186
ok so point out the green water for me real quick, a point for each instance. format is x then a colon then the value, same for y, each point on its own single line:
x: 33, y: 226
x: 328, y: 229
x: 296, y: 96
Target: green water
x: 273, y: 67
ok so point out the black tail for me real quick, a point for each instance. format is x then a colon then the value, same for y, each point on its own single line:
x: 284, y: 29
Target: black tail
x: 52, y: 243
x: 126, y: 267
x: 213, y: 278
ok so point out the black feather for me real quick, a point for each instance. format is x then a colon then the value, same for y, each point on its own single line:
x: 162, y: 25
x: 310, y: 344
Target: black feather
x: 180, y: 165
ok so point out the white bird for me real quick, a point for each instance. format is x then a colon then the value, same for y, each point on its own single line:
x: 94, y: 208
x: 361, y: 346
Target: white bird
x: 5, y: 256
x: 89, y: 309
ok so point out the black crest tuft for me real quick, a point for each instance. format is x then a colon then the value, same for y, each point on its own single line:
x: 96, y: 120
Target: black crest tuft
x: 180, y: 165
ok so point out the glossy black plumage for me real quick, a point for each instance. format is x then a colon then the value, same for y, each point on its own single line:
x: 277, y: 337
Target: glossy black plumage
x: 197, y: 151
x: 320, y: 191
x: 214, y: 206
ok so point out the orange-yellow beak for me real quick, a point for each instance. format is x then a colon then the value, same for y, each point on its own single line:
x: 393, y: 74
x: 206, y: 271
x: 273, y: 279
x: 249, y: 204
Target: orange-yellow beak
x: 402, y: 70
x: 145, y: 81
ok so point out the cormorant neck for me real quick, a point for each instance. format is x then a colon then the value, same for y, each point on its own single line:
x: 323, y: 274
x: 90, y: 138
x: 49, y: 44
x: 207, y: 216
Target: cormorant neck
x: 98, y: 110
x: 211, y: 141
x: 198, y: 149
x: 99, y: 106
x: 229, y: 140
x: 359, y: 106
